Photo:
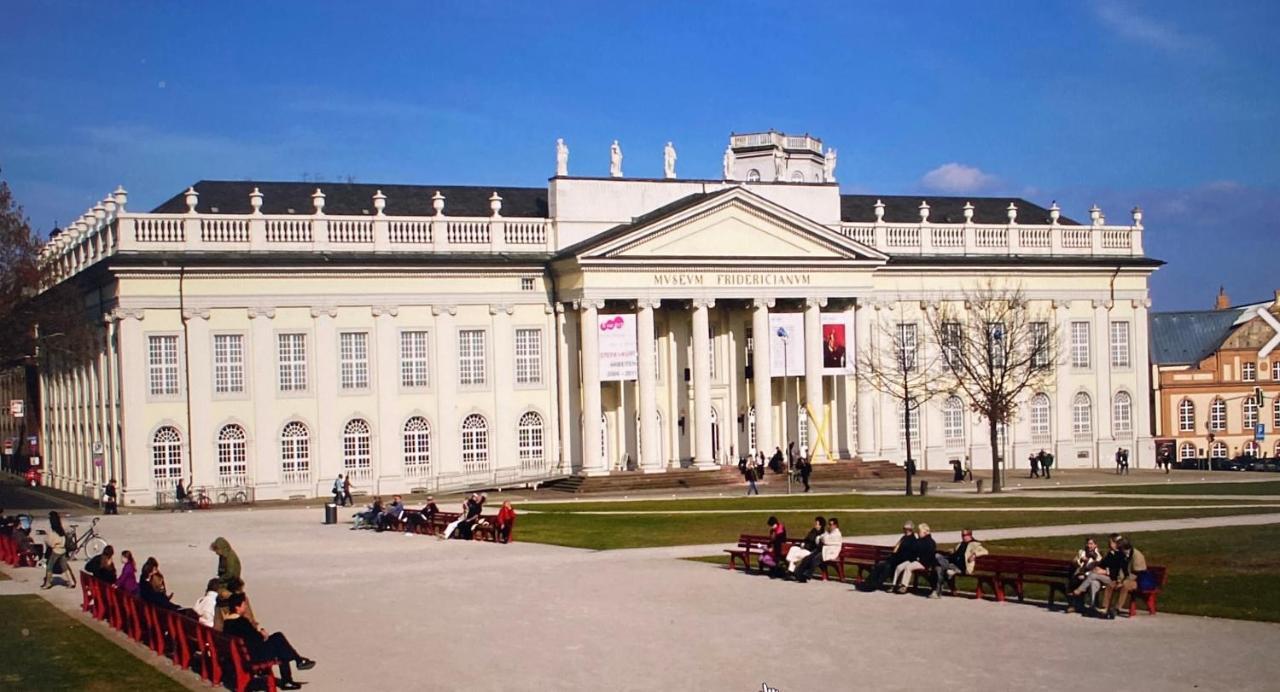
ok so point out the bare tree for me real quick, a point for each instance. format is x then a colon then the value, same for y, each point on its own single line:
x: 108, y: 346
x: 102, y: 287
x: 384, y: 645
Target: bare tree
x: 896, y: 365
x: 995, y: 351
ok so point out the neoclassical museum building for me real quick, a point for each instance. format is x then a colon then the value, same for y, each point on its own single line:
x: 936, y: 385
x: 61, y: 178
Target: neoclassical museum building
x: 267, y: 336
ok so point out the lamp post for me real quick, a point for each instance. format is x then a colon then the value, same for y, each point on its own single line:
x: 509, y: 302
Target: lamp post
x: 782, y: 334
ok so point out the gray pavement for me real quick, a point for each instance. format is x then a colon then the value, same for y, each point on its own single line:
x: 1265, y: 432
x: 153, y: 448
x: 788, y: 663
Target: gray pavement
x: 388, y: 611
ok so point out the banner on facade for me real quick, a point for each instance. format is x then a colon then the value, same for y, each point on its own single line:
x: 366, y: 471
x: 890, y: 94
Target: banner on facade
x: 786, y: 344
x: 619, y: 357
x: 837, y: 343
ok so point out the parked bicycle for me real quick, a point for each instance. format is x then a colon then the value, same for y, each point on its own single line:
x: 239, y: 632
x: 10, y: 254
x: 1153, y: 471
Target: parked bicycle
x: 86, y: 546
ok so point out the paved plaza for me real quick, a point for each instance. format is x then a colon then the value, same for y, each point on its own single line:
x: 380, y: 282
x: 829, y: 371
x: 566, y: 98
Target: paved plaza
x: 388, y: 611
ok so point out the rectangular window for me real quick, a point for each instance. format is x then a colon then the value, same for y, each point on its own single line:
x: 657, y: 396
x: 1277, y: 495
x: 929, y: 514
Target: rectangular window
x: 228, y: 363
x: 162, y: 364
x: 528, y: 356
x: 1249, y: 372
x: 353, y: 360
x: 1080, y: 345
x: 471, y: 357
x: 414, y: 359
x: 1040, y: 345
x: 526, y: 284
x: 1275, y: 370
x: 996, y: 345
x: 1119, y: 344
x: 907, y: 345
x: 952, y: 342
x: 291, y: 358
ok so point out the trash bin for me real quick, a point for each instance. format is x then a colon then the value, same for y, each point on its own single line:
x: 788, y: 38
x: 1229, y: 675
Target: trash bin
x: 924, y: 488
x: 330, y: 513
x: 979, y: 486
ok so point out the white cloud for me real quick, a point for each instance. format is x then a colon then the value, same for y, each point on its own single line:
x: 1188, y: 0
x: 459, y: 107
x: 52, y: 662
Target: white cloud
x: 1130, y: 24
x: 955, y: 178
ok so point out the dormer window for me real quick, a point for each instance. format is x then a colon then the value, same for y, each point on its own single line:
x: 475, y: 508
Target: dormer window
x: 753, y: 176
x: 797, y: 177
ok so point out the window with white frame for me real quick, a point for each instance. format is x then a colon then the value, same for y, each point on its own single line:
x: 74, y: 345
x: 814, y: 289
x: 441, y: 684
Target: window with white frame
x: 357, y: 454
x: 166, y: 457
x: 1218, y: 450
x: 1218, y: 415
x: 529, y: 356
x: 913, y: 417
x: 1249, y: 372
x: 471, y: 357
x: 475, y: 444
x: 291, y: 361
x: 414, y: 359
x: 353, y: 360
x: 228, y: 363
x: 1122, y: 413
x: 1249, y: 413
x: 1040, y: 345
x: 753, y: 175
x: 1080, y: 345
x: 908, y: 345
x: 162, y: 364
x: 1186, y: 416
x: 952, y: 342
x: 417, y: 447
x: 295, y: 454
x: 232, y: 464
x: 1251, y: 449
x: 1275, y: 369
x: 1120, y: 345
x: 1082, y: 416
x: 1187, y: 450
x: 529, y: 439
x: 1041, y: 429
x: 953, y: 421
x: 996, y: 345
x: 1275, y: 415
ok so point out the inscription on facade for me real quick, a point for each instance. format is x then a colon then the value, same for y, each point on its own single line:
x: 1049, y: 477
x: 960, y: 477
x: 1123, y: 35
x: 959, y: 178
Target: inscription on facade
x: 735, y: 279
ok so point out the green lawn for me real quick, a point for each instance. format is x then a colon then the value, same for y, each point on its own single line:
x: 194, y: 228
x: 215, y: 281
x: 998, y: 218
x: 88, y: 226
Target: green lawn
x: 44, y: 649
x: 605, y: 532
x: 1220, y: 572
x: 1242, y: 489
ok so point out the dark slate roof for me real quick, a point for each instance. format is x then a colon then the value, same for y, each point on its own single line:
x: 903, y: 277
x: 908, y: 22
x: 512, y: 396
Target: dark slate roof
x: 642, y: 220
x: 906, y: 209
x: 1186, y: 338
x: 232, y: 197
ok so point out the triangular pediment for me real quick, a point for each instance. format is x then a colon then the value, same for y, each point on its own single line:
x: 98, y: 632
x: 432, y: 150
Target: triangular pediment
x: 733, y: 224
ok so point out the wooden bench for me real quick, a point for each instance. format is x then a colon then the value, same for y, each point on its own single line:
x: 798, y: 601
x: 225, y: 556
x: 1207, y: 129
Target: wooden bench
x: 862, y: 556
x: 1054, y: 573
x: 748, y: 545
x: 229, y: 663
x: 1161, y: 576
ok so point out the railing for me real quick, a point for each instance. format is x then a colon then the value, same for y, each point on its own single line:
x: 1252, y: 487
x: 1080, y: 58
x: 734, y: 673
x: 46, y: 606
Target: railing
x: 288, y: 230
x: 468, y: 232
x: 219, y: 230
x: 362, y: 473
x: 526, y: 233
x: 899, y: 236
x: 297, y: 479
x: 1012, y: 239
x: 417, y: 470
x: 159, y: 229
x: 350, y: 231
x: 1075, y: 238
x: 415, y: 232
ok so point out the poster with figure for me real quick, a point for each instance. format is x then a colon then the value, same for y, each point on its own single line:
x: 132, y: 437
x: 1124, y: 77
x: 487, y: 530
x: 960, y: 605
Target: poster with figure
x: 837, y: 337
x: 619, y: 356
x: 786, y: 340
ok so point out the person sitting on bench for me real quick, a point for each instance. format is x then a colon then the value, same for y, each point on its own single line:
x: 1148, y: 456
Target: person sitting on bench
x: 155, y: 592
x: 902, y: 550
x: 923, y: 557
x: 807, y: 547
x: 369, y: 516
x: 959, y: 561
x: 416, y: 518
x: 393, y: 513
x: 829, y: 544
x: 1133, y: 571
x: 262, y: 647
x: 1103, y: 573
x: 1086, y: 559
x: 102, y: 565
x: 206, y: 607
x: 773, y: 558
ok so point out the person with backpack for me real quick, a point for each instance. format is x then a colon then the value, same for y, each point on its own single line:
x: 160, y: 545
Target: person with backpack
x: 337, y: 490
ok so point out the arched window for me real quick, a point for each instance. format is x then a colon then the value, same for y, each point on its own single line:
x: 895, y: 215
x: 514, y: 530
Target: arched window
x: 1218, y: 415
x: 1187, y: 451
x: 1218, y: 450
x: 753, y: 175
x: 231, y: 456
x: 357, y: 459
x: 1251, y: 449
x: 1122, y: 413
x: 166, y: 457
x: 417, y: 447
x: 295, y: 454
x: 1186, y: 416
x: 797, y: 177
x: 953, y: 421
x: 529, y: 436
x: 1082, y: 416
x: 475, y: 444
x: 1041, y: 429
x: 1249, y: 413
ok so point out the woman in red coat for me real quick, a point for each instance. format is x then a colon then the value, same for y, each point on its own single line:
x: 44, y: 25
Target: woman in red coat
x: 506, y: 521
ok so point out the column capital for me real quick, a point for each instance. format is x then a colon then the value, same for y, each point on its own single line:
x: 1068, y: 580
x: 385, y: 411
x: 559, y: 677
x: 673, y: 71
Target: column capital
x: 324, y: 310
x: 766, y: 303
x: 815, y: 302
x: 549, y: 309
x: 256, y: 312
x: 702, y: 303
x: 130, y: 313
x: 384, y: 310
x: 1140, y: 303
x: 202, y: 313
x: 588, y: 304
x: 437, y: 310
x: 1095, y: 303
x: 504, y: 308
x: 1061, y: 304
x: 650, y: 303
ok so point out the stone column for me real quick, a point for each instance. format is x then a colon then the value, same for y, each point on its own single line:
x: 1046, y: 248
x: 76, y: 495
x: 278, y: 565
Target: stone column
x: 702, y: 454
x: 563, y: 373
x: 1142, y: 368
x: 322, y: 381
x: 113, y: 443
x: 389, y: 463
x: 650, y: 435
x: 136, y: 430
x: 761, y: 380
x: 203, y: 460
x: 262, y: 374
x: 592, y: 462
x: 1062, y: 384
x: 1104, y: 433
x: 816, y: 411
x: 502, y: 436
x: 862, y: 342
x: 446, y: 451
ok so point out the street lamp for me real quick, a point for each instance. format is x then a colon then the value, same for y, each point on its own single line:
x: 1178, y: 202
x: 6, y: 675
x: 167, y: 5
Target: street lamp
x: 782, y: 334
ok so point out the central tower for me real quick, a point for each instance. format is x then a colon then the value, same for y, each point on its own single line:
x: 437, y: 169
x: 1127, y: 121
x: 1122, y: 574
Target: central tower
x: 774, y: 156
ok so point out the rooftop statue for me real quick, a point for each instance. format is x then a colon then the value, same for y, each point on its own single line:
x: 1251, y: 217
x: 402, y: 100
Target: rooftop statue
x: 829, y: 166
x: 562, y: 157
x: 669, y: 161
x: 728, y: 162
x: 615, y: 160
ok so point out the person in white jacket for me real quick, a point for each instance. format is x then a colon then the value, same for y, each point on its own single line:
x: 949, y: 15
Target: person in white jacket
x: 207, y: 605
x: 830, y: 543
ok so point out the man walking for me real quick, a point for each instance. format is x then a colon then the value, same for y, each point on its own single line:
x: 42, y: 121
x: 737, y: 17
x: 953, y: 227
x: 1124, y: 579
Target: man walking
x: 346, y: 491
x: 806, y: 468
x: 337, y: 490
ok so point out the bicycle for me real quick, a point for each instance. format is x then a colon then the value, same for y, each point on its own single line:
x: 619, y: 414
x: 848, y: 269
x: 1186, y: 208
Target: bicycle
x: 92, y: 543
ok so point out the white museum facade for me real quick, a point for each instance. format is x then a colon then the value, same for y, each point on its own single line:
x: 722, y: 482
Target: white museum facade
x: 269, y: 336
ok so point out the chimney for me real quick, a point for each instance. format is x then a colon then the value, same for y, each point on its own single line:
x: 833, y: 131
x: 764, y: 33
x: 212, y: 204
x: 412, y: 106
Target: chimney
x: 1224, y: 301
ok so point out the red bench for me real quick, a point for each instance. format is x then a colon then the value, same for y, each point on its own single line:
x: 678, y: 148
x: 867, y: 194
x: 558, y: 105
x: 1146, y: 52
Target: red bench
x: 748, y: 545
x: 1149, y: 595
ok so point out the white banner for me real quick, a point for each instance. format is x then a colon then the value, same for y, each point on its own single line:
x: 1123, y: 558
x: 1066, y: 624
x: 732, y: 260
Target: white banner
x: 786, y: 341
x: 619, y: 359
x: 837, y: 343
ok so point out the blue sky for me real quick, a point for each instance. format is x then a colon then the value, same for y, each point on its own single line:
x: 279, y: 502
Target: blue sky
x: 1170, y: 105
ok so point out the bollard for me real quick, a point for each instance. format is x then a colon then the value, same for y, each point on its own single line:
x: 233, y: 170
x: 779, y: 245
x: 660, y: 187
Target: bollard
x: 924, y: 488
x: 979, y: 486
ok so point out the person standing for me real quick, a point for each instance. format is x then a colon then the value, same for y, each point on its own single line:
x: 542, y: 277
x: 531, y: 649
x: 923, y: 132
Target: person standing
x: 1046, y: 462
x: 55, y: 542
x: 337, y: 490
x: 109, y: 504
x: 750, y: 473
x: 347, y: 501
x: 1119, y: 459
x: 806, y: 468
x: 506, y: 522
x: 1034, y: 461
x: 180, y: 495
